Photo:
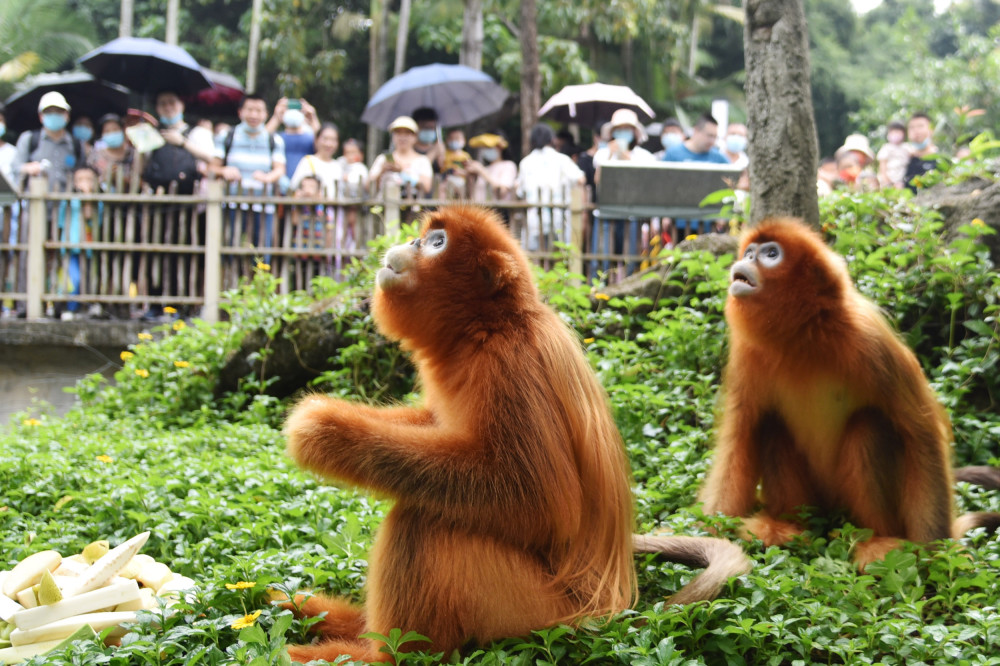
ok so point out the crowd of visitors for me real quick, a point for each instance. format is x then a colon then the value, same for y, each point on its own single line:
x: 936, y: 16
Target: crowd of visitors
x: 289, y: 151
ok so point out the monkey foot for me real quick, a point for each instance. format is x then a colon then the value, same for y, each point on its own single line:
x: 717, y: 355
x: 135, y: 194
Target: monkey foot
x: 771, y: 531
x: 873, y: 550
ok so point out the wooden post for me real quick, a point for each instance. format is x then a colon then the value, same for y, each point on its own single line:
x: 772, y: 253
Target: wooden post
x: 576, y: 211
x: 172, y: 12
x: 390, y: 209
x: 213, y: 252
x: 254, y: 47
x: 37, y: 188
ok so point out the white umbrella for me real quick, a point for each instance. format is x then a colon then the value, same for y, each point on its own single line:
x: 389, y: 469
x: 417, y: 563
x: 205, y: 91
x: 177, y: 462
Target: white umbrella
x: 587, y: 103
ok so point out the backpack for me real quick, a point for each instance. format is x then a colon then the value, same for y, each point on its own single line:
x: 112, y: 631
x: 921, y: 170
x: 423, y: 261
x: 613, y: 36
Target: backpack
x: 170, y: 163
x: 35, y: 138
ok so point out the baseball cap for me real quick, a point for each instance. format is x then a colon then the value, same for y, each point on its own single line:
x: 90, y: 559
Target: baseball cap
x: 52, y: 99
x: 403, y: 122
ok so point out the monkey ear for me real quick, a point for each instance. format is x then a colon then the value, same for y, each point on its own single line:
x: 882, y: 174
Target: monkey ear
x: 498, y: 269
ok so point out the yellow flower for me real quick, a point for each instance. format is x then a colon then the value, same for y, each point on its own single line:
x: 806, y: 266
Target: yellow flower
x: 587, y: 341
x: 169, y: 310
x: 142, y: 372
x: 242, y: 585
x: 602, y: 297
x: 978, y: 223
x: 690, y: 236
x: 246, y: 620
x: 181, y: 364
x: 145, y: 336
x: 32, y: 422
x: 104, y: 459
x: 126, y: 355
x: 261, y: 266
x: 179, y: 324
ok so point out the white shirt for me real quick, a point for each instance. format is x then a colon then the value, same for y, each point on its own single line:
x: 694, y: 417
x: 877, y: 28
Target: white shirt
x: 329, y: 174
x: 546, y: 176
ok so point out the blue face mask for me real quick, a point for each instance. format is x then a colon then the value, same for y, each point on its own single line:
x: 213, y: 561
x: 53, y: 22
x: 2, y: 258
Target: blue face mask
x: 113, y: 139
x: 736, y: 143
x: 623, y: 137
x: 170, y: 121
x: 3, y: 129
x: 456, y: 145
x: 426, y: 136
x: 54, y: 122
x: 489, y: 155
x: 82, y: 133
x: 923, y: 144
x: 602, y: 144
x: 671, y: 139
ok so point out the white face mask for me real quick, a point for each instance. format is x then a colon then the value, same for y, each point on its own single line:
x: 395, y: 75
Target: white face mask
x: 293, y: 118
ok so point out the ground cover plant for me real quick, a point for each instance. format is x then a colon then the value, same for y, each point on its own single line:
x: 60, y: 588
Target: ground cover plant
x: 206, y: 474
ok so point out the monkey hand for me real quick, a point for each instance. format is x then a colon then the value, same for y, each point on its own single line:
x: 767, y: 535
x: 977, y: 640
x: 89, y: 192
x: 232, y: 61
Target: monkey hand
x: 771, y: 531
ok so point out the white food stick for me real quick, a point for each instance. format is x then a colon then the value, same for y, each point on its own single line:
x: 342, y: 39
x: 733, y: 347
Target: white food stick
x: 109, y: 564
x: 62, y: 628
x: 104, y: 597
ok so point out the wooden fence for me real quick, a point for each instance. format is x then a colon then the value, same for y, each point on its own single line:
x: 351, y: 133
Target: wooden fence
x: 124, y: 253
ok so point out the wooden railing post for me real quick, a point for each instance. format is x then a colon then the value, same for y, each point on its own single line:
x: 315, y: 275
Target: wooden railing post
x: 37, y: 188
x: 213, y: 252
x: 576, y: 220
x: 390, y: 208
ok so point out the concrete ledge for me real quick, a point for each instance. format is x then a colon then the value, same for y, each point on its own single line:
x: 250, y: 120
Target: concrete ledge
x: 86, y: 333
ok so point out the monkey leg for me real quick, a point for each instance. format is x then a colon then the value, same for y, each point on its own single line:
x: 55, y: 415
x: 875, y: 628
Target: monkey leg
x: 342, y: 620
x: 786, y: 482
x: 870, y: 471
x: 359, y: 650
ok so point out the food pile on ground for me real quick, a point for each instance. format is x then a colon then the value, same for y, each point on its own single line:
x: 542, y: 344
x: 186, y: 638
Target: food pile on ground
x: 47, y: 599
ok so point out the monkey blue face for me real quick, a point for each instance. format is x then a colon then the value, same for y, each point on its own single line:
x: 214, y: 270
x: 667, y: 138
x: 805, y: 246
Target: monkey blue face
x: 745, y: 275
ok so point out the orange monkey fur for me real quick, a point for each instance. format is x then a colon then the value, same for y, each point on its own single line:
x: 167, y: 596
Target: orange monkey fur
x: 513, y: 508
x: 824, y: 405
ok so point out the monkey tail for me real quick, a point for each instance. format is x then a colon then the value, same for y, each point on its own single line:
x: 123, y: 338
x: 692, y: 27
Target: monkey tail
x: 721, y: 559
x: 980, y: 475
x: 967, y: 521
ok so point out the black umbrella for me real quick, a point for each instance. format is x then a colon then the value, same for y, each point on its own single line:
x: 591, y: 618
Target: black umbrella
x: 86, y: 96
x: 146, y: 65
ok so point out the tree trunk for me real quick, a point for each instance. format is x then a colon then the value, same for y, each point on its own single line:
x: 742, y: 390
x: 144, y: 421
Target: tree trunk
x: 531, y: 83
x: 173, y: 7
x: 254, y: 46
x: 125, y: 22
x: 402, y: 31
x: 781, y: 128
x: 377, y: 52
x: 472, y: 35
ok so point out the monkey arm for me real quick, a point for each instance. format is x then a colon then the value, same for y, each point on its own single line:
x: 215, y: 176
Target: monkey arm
x: 731, y: 485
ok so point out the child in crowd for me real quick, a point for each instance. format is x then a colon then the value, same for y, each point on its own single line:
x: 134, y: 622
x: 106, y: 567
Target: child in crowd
x: 456, y: 161
x: 893, y: 157
x: 309, y: 220
x: 78, y: 220
x: 355, y: 175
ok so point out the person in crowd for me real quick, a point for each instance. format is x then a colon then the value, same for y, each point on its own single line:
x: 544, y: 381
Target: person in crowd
x: 8, y: 213
x: 494, y: 173
x: 826, y: 176
x: 301, y: 124
x: 309, y: 228
x: 865, y: 179
x: 627, y: 133
x: 700, y: 147
x: 175, y: 163
x: 565, y: 143
x: 113, y: 155
x: 849, y: 167
x: 456, y: 162
x: 599, y: 137
x: 321, y: 164
x: 254, y: 159
x: 82, y: 129
x: 353, y: 186
x: 403, y: 163
x: 220, y: 130
x: 735, y: 146
x: 922, y: 148
x: 429, y: 142
x: 78, y: 223
x: 544, y: 177
x: 893, y: 156
x: 671, y: 134
x: 52, y: 151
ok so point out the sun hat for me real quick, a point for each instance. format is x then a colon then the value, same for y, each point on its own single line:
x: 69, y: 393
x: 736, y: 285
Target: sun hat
x: 403, y: 122
x: 858, y: 143
x: 52, y: 99
x: 488, y: 141
x: 628, y: 117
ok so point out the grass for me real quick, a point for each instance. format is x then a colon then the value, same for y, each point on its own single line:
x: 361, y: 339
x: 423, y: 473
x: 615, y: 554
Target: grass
x: 207, y: 475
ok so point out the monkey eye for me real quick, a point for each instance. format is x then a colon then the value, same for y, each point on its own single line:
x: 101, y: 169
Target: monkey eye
x: 750, y: 252
x: 435, y: 241
x: 770, y: 254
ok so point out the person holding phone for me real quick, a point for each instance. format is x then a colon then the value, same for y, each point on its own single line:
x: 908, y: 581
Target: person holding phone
x: 298, y: 117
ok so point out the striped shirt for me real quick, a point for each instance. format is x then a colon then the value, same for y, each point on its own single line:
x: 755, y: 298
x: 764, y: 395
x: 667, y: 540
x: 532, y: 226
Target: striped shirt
x: 249, y: 153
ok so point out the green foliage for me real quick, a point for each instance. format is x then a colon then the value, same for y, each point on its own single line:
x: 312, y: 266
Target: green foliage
x: 208, y: 477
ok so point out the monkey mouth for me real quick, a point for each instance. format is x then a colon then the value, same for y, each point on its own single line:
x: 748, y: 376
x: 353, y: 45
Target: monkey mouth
x: 742, y: 283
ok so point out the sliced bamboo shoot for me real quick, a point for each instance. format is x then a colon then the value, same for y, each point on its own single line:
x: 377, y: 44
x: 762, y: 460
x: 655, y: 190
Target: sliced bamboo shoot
x: 29, y: 571
x: 8, y: 607
x: 88, y: 602
x: 101, y: 571
x: 62, y: 628
x: 15, y: 655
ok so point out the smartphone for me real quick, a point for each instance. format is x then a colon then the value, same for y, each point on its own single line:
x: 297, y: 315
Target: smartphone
x: 295, y: 104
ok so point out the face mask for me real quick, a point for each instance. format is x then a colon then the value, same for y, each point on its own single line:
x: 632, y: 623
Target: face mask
x: 923, y: 144
x: 456, y: 145
x: 671, y: 139
x: 895, y: 138
x: 82, y: 133
x: 293, y: 118
x: 426, y: 136
x: 623, y: 137
x: 3, y: 129
x: 113, y: 139
x: 602, y: 144
x: 736, y: 143
x: 54, y: 122
x: 489, y: 155
x: 170, y: 121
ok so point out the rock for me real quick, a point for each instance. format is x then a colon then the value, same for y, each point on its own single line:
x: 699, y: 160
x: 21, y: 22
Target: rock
x: 961, y: 203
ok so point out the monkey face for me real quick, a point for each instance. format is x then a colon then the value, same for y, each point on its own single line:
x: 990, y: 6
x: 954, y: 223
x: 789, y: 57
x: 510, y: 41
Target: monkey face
x: 745, y: 275
x: 399, y: 270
